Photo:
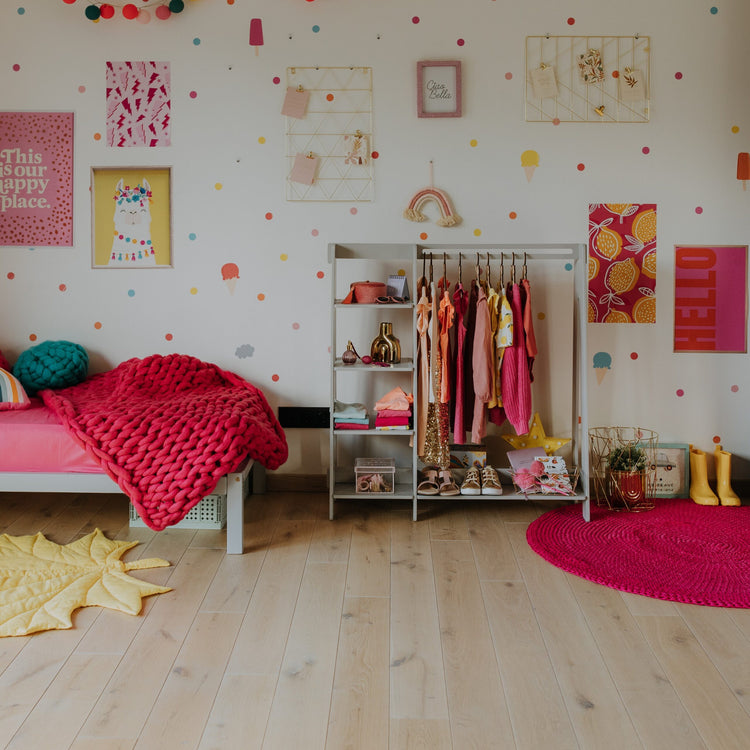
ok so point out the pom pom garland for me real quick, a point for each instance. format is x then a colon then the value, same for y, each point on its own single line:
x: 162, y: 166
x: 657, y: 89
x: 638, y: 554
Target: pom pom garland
x: 98, y: 9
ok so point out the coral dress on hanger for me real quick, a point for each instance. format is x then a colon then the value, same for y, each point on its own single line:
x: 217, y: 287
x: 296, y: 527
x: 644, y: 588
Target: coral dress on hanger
x: 461, y: 304
x: 515, y: 379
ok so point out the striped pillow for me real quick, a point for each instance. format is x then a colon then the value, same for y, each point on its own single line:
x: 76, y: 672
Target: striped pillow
x: 12, y: 394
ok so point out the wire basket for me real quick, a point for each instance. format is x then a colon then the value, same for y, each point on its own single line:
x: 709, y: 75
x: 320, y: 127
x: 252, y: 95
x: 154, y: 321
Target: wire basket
x: 623, y: 467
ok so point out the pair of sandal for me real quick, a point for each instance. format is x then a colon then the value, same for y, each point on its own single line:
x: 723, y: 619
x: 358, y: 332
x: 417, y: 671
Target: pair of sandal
x: 437, y: 482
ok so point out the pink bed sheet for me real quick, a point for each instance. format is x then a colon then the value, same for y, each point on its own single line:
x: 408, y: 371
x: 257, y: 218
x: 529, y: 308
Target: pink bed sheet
x: 33, y: 440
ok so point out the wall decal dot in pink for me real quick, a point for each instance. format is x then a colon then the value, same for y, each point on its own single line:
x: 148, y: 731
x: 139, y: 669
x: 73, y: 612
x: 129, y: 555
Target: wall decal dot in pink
x: 678, y: 75
x: 508, y: 76
x: 556, y: 121
x: 81, y: 89
x: 11, y: 275
x: 276, y: 80
x: 571, y: 21
x: 295, y: 326
x: 734, y: 388
x: 717, y: 439
x: 32, y: 336
x: 645, y: 150
x: 581, y: 167
x: 314, y: 232
x: 680, y: 393
x: 261, y: 297
x: 460, y: 42
x: 699, y: 209
x: 16, y: 67
x: 98, y: 326
x: 275, y: 378
x: 168, y: 336
x: 193, y: 94
x: 269, y: 215
x: 62, y: 287
x: 415, y: 19
x: 512, y: 215
x: 423, y: 235
x: 353, y: 211
x: 320, y: 274
x: 633, y: 355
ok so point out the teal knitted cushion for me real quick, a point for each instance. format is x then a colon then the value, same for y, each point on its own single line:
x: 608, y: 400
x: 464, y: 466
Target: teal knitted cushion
x: 51, y: 364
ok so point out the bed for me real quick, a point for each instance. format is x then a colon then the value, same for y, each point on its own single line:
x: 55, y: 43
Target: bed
x: 165, y: 430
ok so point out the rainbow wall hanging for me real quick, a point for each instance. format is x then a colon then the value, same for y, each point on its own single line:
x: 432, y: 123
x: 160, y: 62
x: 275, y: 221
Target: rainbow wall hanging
x: 448, y: 218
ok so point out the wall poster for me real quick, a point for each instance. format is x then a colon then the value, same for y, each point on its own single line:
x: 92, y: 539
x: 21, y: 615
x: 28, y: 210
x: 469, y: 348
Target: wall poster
x: 710, y: 298
x: 36, y: 179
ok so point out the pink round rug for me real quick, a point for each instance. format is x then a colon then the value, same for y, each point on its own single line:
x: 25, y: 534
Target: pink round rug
x: 680, y: 551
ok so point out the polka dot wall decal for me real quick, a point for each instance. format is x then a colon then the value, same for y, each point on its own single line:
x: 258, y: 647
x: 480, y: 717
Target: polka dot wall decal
x: 218, y: 186
x: 329, y: 97
x: 261, y: 297
x: 633, y: 355
x: 678, y: 75
x: 375, y: 154
x: 571, y: 21
x: 512, y: 215
x: 735, y: 129
x: 168, y: 336
x: 269, y: 216
x: 276, y: 80
x: 193, y: 290
x: 261, y: 140
x: 477, y: 232
x: 415, y: 19
x: 615, y: 74
x: 699, y: 210
x: 423, y: 235
x: 509, y: 76
x: 320, y: 274
x: 192, y: 236
x: 193, y: 94
x: 473, y: 142
x: 314, y: 232
x: 645, y: 150
x: 196, y: 41
x: 714, y: 10
x: 32, y: 336
x: 680, y: 393
x: 460, y: 42
x: 11, y: 275
x: 275, y: 378
x: 21, y: 11
x: 16, y: 67
x: 98, y: 326
x: 81, y: 89
x: 353, y: 211
x: 316, y: 29
x: 284, y: 256
x: 295, y: 326
x: 717, y: 439
x: 734, y: 388
x: 568, y: 266
x: 131, y: 292
x: 541, y: 316
x: 62, y: 287
x: 581, y: 167
x: 555, y: 120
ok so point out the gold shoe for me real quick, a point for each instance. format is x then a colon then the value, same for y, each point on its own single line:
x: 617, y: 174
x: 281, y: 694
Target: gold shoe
x: 472, y: 484
x: 491, y: 482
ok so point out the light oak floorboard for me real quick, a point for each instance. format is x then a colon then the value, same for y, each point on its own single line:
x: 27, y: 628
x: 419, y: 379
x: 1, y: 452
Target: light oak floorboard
x: 371, y: 631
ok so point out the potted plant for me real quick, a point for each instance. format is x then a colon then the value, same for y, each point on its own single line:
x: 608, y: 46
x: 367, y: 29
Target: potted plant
x: 626, y: 465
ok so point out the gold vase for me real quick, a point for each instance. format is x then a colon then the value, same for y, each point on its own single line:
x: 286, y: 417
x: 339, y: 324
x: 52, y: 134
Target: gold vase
x: 385, y: 346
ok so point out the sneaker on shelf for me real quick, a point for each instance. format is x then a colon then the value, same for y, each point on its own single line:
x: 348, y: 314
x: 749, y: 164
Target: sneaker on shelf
x: 472, y: 484
x: 491, y: 482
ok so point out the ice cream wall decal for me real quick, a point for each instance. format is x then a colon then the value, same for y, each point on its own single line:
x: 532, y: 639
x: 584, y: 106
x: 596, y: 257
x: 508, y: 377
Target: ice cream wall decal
x: 743, y: 168
x: 256, y: 34
x: 602, y: 365
x: 529, y: 162
x: 229, y: 275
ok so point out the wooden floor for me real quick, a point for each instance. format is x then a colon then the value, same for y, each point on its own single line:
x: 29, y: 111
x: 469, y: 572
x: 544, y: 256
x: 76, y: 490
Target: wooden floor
x: 367, y: 632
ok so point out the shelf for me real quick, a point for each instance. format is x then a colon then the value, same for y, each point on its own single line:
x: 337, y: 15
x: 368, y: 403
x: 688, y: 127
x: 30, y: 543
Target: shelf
x: 405, y: 365
x: 345, y: 491
x: 373, y: 431
x: 374, y: 306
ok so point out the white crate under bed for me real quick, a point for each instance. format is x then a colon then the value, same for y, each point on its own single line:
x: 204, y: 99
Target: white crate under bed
x: 209, y: 513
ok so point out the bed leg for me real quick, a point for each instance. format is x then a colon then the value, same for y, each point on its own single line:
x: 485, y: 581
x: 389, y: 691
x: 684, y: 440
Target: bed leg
x: 235, y: 513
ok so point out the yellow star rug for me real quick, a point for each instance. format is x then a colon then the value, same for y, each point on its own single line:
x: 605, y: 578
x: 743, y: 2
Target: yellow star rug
x: 42, y: 583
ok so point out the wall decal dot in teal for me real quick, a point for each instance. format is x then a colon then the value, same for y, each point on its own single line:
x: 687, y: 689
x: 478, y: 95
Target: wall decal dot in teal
x: 196, y: 41
x: 21, y: 11
x: 131, y: 292
x: 316, y: 29
x: 568, y: 266
x: 714, y: 10
x: 192, y: 236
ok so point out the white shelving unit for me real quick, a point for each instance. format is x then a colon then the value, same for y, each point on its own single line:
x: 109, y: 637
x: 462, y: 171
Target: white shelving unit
x: 560, y: 267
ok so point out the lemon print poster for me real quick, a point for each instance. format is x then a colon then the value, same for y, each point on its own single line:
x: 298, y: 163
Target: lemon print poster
x: 622, y: 263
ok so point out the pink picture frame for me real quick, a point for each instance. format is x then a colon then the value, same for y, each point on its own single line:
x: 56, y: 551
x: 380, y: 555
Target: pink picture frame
x: 439, y: 88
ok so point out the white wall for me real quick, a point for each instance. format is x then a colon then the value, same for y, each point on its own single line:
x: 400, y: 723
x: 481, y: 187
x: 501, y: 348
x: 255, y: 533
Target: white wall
x: 215, y: 139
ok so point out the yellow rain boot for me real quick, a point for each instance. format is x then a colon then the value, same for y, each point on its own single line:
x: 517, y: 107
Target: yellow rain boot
x: 723, y: 473
x: 700, y: 492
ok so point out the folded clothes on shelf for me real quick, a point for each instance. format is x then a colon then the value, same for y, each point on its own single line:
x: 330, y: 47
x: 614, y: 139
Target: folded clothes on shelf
x: 342, y: 409
x: 396, y: 399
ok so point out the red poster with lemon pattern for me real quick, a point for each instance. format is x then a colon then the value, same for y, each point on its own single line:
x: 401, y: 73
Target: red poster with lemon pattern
x: 622, y: 263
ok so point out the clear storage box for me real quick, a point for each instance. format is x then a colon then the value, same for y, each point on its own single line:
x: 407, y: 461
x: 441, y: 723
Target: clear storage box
x: 374, y: 475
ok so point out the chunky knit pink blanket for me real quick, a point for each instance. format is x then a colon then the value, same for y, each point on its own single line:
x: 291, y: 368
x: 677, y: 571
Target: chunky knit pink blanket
x: 167, y: 428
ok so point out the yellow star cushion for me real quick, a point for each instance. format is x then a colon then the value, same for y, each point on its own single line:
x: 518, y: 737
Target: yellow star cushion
x: 536, y: 438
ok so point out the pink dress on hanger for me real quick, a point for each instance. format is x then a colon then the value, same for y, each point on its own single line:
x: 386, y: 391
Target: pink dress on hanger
x: 514, y: 374
x: 468, y: 394
x: 461, y: 304
x: 528, y: 327
x: 481, y: 361
x: 423, y: 368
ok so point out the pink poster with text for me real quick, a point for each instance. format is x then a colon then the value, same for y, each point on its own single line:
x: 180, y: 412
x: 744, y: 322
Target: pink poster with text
x: 138, y: 104
x: 36, y: 179
x: 710, y: 298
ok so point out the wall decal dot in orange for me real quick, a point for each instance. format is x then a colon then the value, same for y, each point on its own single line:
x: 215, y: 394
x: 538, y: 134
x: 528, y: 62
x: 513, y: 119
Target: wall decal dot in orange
x: 512, y: 215
x: 717, y: 439
x: 32, y: 337
x: 98, y: 325
x: 168, y: 336
x: 275, y: 378
x: 375, y: 154
x: 261, y: 297
x: 62, y: 287
x: 11, y: 275
x: 423, y: 235
x: 581, y: 167
x: 329, y: 97
x: 269, y: 215
x: 320, y: 274
x: 97, y: 136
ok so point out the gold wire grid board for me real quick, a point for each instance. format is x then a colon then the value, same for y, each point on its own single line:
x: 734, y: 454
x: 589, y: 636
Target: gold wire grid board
x: 339, y: 107
x: 601, y: 79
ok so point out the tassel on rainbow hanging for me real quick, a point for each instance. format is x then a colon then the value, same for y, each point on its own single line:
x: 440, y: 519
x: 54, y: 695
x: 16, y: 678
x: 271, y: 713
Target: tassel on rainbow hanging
x: 448, y: 218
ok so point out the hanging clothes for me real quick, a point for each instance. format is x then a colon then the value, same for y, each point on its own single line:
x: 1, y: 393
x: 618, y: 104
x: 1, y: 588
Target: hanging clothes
x: 461, y: 305
x: 445, y: 317
x: 493, y: 306
x: 423, y: 367
x: 468, y: 393
x: 482, y: 375
x: 503, y: 339
x: 515, y: 381
x: 528, y: 325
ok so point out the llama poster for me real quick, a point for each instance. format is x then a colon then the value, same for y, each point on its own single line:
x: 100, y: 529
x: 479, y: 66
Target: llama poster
x: 36, y: 179
x: 131, y: 213
x: 138, y: 104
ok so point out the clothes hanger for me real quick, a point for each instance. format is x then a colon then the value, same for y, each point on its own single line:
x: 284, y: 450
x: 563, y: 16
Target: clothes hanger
x: 523, y: 270
x: 489, y: 275
x: 460, y: 270
x: 501, y: 283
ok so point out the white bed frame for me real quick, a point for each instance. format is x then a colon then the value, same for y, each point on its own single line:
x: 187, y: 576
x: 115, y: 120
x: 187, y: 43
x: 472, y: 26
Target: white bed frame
x: 234, y: 486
